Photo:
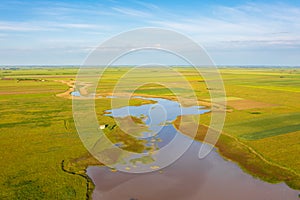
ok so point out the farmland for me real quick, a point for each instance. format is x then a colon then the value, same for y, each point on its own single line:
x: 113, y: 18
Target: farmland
x: 261, y: 132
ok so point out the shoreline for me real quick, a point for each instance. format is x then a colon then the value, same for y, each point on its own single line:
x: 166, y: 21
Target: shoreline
x: 250, y: 161
x: 232, y: 149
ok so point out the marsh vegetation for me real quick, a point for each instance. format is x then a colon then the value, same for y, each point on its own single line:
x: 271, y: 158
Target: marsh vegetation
x: 37, y: 131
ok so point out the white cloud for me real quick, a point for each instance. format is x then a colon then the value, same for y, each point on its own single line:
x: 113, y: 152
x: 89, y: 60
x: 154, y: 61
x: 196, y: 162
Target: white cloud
x: 77, y: 27
x: 132, y: 12
x: 18, y: 26
x: 247, y: 25
x: 47, y: 26
x: 148, y: 5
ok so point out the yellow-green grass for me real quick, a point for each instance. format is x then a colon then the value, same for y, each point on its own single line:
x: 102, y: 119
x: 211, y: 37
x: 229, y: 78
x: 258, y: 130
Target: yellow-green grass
x: 36, y: 134
x: 262, y: 127
x: 281, y: 149
x: 37, y: 130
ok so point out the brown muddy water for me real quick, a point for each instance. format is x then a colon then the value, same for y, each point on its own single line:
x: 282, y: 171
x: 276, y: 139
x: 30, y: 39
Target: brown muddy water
x: 189, y: 178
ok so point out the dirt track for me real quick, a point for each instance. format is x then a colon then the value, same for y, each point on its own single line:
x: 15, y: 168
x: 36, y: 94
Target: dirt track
x: 67, y: 94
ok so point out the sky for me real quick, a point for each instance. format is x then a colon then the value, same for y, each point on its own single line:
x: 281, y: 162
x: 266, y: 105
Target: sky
x: 232, y: 32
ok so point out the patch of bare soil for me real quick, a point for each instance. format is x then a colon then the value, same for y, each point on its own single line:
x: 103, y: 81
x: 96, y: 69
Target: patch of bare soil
x: 246, y: 104
x: 67, y: 93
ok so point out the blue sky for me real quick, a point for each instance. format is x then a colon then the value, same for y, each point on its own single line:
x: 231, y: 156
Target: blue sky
x: 233, y: 32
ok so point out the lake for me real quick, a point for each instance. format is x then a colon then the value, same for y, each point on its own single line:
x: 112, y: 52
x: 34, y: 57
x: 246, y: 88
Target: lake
x: 189, y: 177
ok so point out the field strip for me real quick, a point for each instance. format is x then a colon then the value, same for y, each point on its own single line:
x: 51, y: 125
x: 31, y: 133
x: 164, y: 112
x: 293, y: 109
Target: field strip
x: 259, y: 155
x: 273, y: 88
x: 26, y: 92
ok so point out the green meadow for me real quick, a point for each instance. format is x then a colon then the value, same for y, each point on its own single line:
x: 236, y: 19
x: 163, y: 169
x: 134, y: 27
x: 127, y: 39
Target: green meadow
x: 42, y: 156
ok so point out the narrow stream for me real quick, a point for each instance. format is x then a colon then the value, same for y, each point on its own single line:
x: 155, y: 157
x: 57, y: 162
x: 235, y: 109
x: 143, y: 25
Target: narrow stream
x: 189, y: 178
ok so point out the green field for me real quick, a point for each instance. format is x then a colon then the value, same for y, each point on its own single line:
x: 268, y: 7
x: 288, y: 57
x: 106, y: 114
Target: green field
x: 37, y: 130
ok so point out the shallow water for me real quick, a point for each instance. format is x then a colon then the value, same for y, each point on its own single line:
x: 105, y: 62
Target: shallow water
x: 158, y: 117
x: 75, y: 94
x: 189, y: 177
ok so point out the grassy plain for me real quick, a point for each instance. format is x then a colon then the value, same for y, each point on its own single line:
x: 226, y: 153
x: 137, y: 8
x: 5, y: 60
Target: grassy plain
x: 37, y: 131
